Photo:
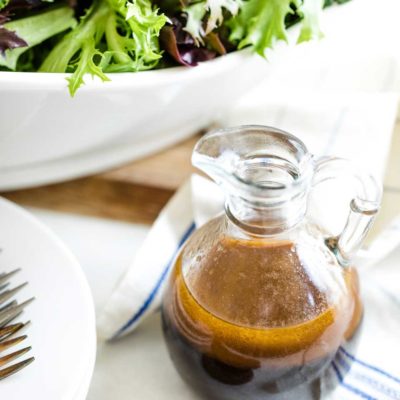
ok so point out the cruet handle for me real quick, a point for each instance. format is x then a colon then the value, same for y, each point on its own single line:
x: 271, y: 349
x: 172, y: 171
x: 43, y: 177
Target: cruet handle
x: 363, y: 207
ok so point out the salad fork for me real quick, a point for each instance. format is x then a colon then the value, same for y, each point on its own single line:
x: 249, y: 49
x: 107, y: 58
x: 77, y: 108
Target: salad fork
x: 9, y: 310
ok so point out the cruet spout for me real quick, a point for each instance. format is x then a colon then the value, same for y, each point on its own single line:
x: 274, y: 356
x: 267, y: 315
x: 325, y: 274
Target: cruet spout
x: 265, y: 174
x: 253, y: 162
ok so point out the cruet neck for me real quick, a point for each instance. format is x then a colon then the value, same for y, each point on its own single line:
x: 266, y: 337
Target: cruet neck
x: 258, y: 220
x: 264, y: 172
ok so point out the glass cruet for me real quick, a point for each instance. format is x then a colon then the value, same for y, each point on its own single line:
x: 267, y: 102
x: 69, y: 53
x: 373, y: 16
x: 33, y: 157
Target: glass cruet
x: 261, y: 298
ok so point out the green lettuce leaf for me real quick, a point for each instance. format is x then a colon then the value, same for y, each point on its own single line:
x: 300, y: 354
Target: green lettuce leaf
x: 310, y: 11
x: 36, y: 29
x: 260, y: 23
x: 3, y: 3
x: 78, y: 48
x: 194, y: 24
x: 113, y: 36
x: 138, y: 49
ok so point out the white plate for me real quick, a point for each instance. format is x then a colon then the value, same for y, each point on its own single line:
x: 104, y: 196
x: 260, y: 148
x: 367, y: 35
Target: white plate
x: 62, y: 333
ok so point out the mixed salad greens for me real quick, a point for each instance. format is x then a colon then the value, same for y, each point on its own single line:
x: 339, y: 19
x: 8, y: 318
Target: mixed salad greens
x: 103, y: 36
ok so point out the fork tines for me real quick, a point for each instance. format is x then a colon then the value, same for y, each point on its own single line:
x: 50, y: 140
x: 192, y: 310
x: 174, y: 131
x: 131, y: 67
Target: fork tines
x: 5, y: 277
x: 10, y: 330
x: 8, y: 294
x: 9, y: 310
x: 6, y: 372
x: 13, y: 311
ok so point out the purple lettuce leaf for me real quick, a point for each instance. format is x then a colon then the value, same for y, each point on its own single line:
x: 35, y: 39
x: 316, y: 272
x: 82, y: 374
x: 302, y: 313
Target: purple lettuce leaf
x: 181, y: 46
x: 9, y: 39
x: 16, y: 5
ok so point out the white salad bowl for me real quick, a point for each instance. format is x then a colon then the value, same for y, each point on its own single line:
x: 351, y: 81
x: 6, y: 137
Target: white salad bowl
x: 47, y: 136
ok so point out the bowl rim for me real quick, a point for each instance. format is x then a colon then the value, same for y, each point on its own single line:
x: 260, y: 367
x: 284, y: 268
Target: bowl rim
x: 35, y: 80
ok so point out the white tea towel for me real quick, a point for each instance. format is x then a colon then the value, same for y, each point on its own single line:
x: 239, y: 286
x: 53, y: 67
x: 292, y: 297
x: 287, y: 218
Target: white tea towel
x: 373, y: 373
x: 139, y: 292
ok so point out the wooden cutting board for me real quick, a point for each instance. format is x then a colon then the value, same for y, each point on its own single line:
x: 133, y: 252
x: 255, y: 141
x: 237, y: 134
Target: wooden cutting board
x: 135, y: 192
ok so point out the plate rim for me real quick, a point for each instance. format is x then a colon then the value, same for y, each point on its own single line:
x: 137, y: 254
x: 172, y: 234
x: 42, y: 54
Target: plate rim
x: 75, y: 266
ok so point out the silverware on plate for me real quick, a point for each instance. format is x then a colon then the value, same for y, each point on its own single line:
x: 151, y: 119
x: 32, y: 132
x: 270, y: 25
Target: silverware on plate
x: 9, y: 310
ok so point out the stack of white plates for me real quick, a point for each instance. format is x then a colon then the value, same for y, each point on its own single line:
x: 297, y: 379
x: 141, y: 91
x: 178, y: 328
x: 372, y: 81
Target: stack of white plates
x: 62, y: 330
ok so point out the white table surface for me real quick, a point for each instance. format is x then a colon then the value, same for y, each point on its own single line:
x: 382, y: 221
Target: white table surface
x: 136, y: 366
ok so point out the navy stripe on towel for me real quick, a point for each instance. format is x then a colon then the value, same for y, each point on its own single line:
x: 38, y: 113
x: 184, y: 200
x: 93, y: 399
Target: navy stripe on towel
x: 352, y: 389
x: 156, y: 288
x: 369, y: 366
x: 368, y: 377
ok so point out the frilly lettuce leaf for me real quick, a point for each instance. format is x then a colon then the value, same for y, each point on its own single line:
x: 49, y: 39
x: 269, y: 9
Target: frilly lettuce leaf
x: 194, y: 24
x: 142, y: 24
x: 130, y: 30
x: 77, y: 48
x: 257, y: 23
x: 213, y: 10
x: 260, y: 23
